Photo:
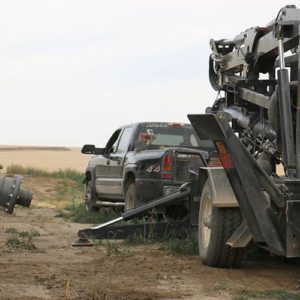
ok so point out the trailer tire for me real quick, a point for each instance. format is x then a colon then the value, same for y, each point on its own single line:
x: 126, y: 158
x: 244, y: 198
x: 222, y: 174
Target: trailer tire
x: 90, y: 198
x: 216, y: 225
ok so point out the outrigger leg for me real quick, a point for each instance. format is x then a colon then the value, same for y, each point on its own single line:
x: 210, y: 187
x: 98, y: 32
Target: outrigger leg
x: 105, y: 230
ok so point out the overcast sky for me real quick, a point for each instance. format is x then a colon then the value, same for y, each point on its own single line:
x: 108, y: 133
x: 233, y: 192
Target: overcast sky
x: 72, y: 71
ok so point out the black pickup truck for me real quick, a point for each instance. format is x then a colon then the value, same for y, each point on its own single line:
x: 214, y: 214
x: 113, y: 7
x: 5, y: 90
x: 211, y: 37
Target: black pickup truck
x: 142, y: 162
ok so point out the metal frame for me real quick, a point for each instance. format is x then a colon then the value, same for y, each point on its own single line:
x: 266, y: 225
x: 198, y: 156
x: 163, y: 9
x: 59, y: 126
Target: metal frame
x: 270, y: 204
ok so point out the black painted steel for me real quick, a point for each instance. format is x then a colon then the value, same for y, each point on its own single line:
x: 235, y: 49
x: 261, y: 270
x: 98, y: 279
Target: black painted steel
x: 144, y: 230
x: 246, y: 183
x: 298, y: 117
x: 109, y: 230
x: 11, y: 193
x: 286, y: 127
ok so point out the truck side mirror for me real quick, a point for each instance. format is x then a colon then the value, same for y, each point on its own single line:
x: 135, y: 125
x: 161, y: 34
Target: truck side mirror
x: 91, y: 149
x: 88, y: 149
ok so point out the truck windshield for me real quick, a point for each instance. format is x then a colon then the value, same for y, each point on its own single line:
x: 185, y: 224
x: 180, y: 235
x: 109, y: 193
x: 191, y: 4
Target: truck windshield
x: 165, y: 135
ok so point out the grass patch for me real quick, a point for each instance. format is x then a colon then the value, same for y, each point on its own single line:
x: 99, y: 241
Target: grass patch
x: 267, y: 294
x: 70, y: 191
x: 62, y: 174
x: 15, y: 242
x: 113, y: 248
x: 21, y: 240
x: 75, y: 211
x: 186, y: 244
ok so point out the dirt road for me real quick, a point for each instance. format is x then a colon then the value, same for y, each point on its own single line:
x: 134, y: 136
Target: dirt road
x: 37, y: 262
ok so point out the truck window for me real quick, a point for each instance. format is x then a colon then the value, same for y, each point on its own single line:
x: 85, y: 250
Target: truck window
x: 112, y: 142
x: 193, y: 140
x: 125, y: 140
x: 165, y: 135
x: 168, y: 139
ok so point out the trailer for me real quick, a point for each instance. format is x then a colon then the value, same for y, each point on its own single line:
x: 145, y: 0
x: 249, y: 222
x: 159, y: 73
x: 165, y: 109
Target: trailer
x: 255, y: 127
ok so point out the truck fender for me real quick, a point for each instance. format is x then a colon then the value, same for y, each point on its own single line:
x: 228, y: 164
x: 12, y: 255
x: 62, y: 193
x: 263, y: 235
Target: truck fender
x: 89, y: 175
x: 128, y: 175
x: 223, y: 195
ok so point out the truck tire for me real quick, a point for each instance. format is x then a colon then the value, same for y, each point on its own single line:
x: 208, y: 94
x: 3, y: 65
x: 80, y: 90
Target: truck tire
x: 216, y: 225
x: 131, y: 197
x: 90, y: 198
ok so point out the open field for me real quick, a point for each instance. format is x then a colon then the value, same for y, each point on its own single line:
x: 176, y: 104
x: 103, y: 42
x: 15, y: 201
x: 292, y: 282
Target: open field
x: 38, y: 262
x: 43, y: 265
x: 48, y: 158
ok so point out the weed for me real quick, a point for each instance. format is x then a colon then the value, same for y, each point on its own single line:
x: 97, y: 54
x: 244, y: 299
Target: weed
x: 138, y: 238
x: 75, y: 211
x: 15, y: 242
x: 21, y: 240
x: 113, y: 248
x: 41, y: 280
x: 186, y: 244
x: 97, y: 243
x: 11, y: 230
x: 29, y: 234
x: 267, y: 294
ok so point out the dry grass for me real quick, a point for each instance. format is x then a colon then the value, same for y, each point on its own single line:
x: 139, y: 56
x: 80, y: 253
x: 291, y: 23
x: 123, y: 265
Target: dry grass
x: 46, y: 158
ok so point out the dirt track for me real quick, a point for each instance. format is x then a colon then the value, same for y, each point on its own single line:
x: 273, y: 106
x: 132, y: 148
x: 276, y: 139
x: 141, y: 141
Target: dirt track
x: 55, y: 270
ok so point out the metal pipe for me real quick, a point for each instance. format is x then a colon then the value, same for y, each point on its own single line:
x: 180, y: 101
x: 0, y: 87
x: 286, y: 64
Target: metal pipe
x: 236, y: 113
x: 281, y: 54
x: 298, y: 118
x: 108, y: 223
x: 243, y: 121
x: 113, y: 204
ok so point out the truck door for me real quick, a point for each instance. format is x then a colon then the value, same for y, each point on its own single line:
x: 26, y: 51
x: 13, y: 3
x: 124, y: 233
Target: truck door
x: 102, y: 170
x: 116, y: 162
x: 110, y: 177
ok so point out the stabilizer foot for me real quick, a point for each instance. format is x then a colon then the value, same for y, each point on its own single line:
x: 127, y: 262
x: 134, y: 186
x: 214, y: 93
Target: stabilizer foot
x: 81, y: 242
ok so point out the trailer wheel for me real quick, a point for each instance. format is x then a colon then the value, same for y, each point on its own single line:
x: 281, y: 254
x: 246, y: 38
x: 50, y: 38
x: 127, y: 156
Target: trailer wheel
x: 215, y: 227
x: 131, y: 197
x: 90, y: 197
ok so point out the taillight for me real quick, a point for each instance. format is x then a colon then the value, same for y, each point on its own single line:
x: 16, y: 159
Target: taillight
x: 167, y: 167
x: 224, y: 155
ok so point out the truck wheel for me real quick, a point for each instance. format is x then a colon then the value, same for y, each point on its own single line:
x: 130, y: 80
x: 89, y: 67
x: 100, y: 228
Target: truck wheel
x: 215, y: 227
x: 131, y: 197
x: 90, y: 197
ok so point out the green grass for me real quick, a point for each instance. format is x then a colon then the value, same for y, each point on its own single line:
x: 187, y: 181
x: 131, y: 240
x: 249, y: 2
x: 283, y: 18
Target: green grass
x: 21, y: 240
x: 245, y: 294
x: 75, y: 211
x: 186, y: 244
x: 113, y: 248
x: 62, y: 174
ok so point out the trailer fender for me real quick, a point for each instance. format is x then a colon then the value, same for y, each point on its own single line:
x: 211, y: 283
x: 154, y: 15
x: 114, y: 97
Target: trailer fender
x: 220, y: 186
